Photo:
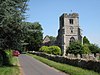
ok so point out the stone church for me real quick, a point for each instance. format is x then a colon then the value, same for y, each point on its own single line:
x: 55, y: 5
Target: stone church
x: 69, y: 30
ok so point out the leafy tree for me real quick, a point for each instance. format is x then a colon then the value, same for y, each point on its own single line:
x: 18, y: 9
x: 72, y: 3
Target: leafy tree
x: 85, y: 40
x: 75, y: 48
x: 32, y: 35
x: 86, y: 49
x: 52, y: 38
x: 94, y: 48
x: 11, y: 17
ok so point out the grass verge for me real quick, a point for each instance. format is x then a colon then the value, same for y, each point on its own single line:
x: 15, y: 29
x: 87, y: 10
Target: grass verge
x: 11, y: 70
x: 65, y: 68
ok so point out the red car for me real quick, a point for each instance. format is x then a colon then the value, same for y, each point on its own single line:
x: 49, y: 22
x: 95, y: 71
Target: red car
x: 16, y: 53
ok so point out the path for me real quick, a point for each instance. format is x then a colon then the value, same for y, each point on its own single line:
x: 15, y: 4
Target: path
x: 31, y: 66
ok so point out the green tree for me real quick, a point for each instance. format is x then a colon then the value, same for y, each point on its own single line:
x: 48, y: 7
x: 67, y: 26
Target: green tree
x: 85, y: 40
x: 75, y: 48
x: 86, y: 49
x: 32, y: 35
x: 94, y: 48
x: 11, y: 17
x: 52, y: 38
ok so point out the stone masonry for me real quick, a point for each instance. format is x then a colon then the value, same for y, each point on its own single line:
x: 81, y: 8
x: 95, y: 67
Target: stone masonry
x: 69, y: 30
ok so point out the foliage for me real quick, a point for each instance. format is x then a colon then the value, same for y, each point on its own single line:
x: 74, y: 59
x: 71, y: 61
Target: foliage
x: 94, y: 48
x: 6, y: 57
x: 10, y: 70
x: 45, y: 49
x: 55, y: 50
x: 66, y: 68
x: 52, y: 38
x: 11, y: 17
x: 51, y: 50
x: 9, y: 56
x: 86, y: 49
x: 32, y: 35
x: 75, y: 48
x: 85, y: 40
x: 1, y: 59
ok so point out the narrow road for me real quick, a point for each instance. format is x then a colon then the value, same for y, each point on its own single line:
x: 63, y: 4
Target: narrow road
x: 31, y: 66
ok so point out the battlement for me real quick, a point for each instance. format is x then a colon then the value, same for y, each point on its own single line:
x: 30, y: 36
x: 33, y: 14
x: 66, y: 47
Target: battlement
x: 70, y: 15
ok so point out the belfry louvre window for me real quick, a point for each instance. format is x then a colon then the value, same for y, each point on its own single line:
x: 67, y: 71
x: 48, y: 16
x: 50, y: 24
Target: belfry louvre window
x: 71, y: 21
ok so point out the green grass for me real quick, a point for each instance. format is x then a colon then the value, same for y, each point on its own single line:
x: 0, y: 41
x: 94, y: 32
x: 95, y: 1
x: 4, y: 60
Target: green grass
x: 65, y: 68
x: 11, y: 70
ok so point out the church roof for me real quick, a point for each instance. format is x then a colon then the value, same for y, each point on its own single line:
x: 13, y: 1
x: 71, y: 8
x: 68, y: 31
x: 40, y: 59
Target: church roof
x: 46, y: 39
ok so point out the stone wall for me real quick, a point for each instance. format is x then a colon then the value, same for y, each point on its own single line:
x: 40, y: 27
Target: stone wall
x: 85, y: 56
x: 71, y: 60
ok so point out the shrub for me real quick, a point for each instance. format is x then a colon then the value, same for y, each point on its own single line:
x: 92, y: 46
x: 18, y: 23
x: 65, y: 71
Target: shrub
x: 1, y: 59
x: 51, y: 50
x: 6, y: 57
x: 55, y: 50
x: 45, y: 49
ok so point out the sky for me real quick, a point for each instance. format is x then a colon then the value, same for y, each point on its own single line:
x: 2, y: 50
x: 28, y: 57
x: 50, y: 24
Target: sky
x: 47, y: 13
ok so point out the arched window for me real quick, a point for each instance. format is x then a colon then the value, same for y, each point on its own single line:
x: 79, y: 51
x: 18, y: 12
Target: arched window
x: 72, y: 39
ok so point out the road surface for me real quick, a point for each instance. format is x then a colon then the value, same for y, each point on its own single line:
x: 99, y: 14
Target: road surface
x: 31, y: 66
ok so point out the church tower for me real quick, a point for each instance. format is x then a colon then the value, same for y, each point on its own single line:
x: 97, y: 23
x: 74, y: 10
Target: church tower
x: 69, y: 30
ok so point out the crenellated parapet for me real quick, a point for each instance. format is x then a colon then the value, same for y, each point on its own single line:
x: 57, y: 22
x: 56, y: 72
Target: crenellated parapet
x: 71, y: 15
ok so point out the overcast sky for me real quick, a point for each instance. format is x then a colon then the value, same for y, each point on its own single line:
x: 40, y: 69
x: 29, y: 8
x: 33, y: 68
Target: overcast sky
x: 47, y: 13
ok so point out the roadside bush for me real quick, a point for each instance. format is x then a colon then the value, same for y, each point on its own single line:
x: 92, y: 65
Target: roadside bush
x: 9, y: 55
x: 51, y: 50
x: 55, y: 50
x: 1, y: 59
x: 45, y: 49
x: 6, y: 56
